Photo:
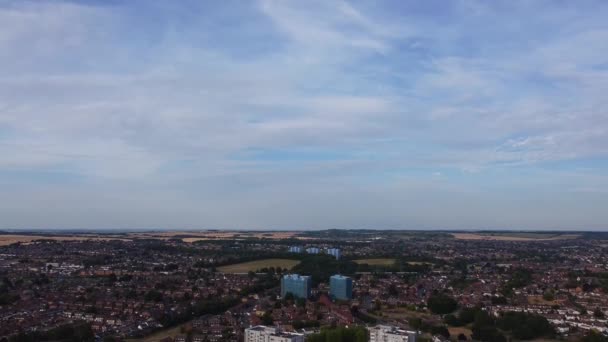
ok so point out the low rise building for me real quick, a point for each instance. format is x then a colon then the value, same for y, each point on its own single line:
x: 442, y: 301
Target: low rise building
x: 263, y: 333
x: 335, y: 252
x: 388, y: 333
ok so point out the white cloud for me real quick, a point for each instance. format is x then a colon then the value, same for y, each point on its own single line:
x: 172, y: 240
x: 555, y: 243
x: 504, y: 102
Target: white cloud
x: 82, y: 95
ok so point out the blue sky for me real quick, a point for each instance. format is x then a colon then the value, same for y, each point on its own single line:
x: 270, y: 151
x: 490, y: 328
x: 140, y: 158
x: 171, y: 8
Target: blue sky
x: 304, y: 114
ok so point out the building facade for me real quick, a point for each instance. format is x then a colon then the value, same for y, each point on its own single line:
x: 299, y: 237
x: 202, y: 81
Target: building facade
x: 387, y: 333
x: 297, y: 285
x: 335, y: 252
x: 341, y: 287
x: 313, y: 250
x: 262, y: 333
x: 296, y: 249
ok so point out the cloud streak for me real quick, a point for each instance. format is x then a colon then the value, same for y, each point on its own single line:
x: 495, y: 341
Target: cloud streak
x: 302, y: 108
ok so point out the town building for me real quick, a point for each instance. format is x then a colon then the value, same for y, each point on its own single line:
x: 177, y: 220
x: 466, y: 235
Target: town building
x: 295, y: 249
x: 335, y: 252
x: 387, y: 333
x: 263, y: 333
x: 297, y: 285
x: 341, y: 287
x: 313, y: 250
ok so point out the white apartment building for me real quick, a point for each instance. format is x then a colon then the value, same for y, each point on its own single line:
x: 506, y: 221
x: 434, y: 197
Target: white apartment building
x: 387, y: 333
x: 262, y: 333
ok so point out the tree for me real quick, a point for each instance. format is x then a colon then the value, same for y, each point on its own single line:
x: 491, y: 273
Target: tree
x: 487, y: 334
x: 452, y: 320
x: 442, y: 304
x: 440, y: 330
x: 467, y: 315
x: 301, y: 302
x: 484, y: 328
x: 339, y: 334
x: 525, y: 326
x: 499, y: 300
x: 415, y: 323
x: 392, y: 290
x: 598, y: 313
x: 594, y: 336
x: 153, y: 296
x: 267, y: 318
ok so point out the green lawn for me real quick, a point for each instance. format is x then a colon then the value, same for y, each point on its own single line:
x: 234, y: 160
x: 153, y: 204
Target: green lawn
x: 245, y: 267
x: 376, y: 262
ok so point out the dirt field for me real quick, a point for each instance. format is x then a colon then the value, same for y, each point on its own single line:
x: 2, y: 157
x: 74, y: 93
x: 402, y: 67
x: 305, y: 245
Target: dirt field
x: 6, y: 240
x: 514, y: 236
x: 455, y: 331
x: 156, y: 337
x: 376, y: 262
x: 258, y: 264
x: 539, y: 300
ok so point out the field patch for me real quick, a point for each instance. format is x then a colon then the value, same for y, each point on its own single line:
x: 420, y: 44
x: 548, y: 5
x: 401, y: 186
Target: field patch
x: 405, y: 314
x: 523, y: 236
x: 376, y: 262
x: 163, y: 334
x: 193, y: 236
x: 9, y: 239
x: 455, y: 331
x: 539, y: 300
x: 245, y: 267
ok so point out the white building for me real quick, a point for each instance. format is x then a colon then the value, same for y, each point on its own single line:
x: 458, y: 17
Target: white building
x: 296, y: 249
x: 387, y: 333
x: 335, y: 252
x: 262, y: 333
x: 313, y: 250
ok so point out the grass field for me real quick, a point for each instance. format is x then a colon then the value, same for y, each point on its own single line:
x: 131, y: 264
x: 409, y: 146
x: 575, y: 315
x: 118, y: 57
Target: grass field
x: 258, y: 264
x: 376, y: 262
x: 404, y: 314
x: 516, y: 236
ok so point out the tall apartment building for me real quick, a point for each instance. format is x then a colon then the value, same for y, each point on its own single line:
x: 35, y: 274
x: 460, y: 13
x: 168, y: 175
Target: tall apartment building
x: 296, y: 249
x: 335, y: 252
x: 297, y: 285
x: 313, y: 250
x: 262, y: 333
x: 341, y: 287
x: 387, y: 333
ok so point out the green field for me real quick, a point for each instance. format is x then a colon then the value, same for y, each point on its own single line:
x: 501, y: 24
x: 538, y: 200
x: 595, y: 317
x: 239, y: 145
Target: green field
x: 376, y: 262
x: 245, y: 267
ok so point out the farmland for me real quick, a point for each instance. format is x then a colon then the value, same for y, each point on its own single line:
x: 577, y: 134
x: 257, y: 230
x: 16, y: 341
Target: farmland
x: 514, y: 236
x: 186, y: 236
x: 9, y: 239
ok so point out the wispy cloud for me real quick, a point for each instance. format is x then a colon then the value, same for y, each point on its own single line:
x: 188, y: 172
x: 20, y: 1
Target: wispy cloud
x: 304, y: 107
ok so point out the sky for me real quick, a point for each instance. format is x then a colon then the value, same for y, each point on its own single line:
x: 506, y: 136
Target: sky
x: 268, y: 114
